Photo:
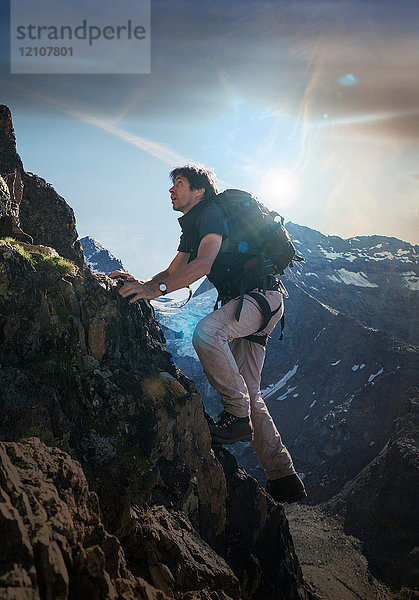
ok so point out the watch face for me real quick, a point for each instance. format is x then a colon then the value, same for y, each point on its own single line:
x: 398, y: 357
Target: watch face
x: 163, y: 287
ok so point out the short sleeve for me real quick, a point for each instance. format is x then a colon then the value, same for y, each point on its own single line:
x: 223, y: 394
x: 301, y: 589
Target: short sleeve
x: 182, y: 244
x: 213, y: 221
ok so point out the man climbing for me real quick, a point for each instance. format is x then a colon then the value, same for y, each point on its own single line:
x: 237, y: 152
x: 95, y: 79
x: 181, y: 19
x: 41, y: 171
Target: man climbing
x: 231, y: 349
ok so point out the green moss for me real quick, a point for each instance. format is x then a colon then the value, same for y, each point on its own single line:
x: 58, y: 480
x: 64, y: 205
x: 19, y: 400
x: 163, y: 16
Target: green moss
x: 51, y: 265
x: 63, y: 314
x: 51, y: 268
x: 4, y: 282
x: 47, y: 437
x: 19, y: 248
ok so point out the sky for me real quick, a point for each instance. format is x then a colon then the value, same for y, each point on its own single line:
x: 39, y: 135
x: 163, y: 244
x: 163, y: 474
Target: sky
x: 311, y: 105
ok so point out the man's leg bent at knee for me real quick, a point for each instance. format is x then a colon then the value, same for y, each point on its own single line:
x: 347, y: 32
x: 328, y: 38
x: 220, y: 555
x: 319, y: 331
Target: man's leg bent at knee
x: 211, y: 341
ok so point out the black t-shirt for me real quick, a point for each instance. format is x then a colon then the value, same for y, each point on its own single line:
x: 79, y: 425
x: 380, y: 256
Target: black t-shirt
x: 206, y: 217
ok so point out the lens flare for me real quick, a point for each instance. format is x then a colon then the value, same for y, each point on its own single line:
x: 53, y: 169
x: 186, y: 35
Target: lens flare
x: 348, y: 79
x: 279, y: 188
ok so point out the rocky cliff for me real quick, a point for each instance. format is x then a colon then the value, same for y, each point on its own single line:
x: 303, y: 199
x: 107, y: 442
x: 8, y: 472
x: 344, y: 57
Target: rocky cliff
x: 87, y: 373
x: 380, y: 504
x: 54, y: 544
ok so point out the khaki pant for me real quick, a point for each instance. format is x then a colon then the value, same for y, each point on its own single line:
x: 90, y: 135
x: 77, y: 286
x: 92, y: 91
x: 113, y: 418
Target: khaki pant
x: 234, y: 370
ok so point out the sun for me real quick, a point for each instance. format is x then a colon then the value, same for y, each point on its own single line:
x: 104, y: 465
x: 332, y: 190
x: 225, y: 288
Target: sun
x: 279, y: 188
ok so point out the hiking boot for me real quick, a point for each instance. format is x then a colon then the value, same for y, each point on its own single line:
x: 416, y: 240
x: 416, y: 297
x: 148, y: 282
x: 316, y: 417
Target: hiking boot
x: 231, y: 429
x: 286, y: 489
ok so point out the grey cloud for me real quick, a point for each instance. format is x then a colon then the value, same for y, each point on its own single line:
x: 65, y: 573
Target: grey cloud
x: 267, y: 52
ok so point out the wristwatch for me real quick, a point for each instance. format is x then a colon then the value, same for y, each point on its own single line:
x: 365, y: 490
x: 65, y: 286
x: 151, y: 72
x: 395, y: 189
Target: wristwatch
x: 162, y: 288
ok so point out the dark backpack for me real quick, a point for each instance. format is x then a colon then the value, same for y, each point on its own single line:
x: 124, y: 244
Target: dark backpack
x: 258, y: 248
x: 258, y: 235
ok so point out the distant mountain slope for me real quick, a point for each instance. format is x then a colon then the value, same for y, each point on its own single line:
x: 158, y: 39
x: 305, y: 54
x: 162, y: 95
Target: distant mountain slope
x: 98, y: 258
x: 371, y: 278
x: 334, y: 387
x: 380, y: 505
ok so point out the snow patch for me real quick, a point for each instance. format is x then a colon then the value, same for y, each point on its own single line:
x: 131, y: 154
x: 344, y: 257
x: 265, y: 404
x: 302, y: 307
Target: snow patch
x: 343, y: 255
x: 383, y: 255
x: 355, y: 368
x: 410, y: 280
x: 313, y: 274
x: 335, y: 363
x: 351, y: 278
x: 362, y: 366
x: 313, y: 403
x: 319, y: 334
x: 306, y: 417
x: 333, y: 278
x: 330, y: 255
x: 289, y: 390
x: 295, y: 395
x: 274, y: 387
x: 374, y: 375
x: 94, y: 266
x: 399, y: 255
x: 351, y: 257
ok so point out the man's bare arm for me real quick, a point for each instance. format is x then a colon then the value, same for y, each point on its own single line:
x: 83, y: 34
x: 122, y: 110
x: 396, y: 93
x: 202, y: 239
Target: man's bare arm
x: 181, y: 275
x: 207, y: 252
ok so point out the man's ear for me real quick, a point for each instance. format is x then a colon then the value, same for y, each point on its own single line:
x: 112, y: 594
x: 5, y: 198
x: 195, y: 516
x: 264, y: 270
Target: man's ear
x: 200, y: 193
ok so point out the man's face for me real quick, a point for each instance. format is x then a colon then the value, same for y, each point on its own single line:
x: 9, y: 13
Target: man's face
x: 183, y: 198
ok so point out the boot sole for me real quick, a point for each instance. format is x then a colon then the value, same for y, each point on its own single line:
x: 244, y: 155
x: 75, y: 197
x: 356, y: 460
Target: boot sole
x: 246, y: 438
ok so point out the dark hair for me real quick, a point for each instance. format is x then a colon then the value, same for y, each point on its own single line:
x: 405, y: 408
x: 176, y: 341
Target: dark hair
x: 198, y: 178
